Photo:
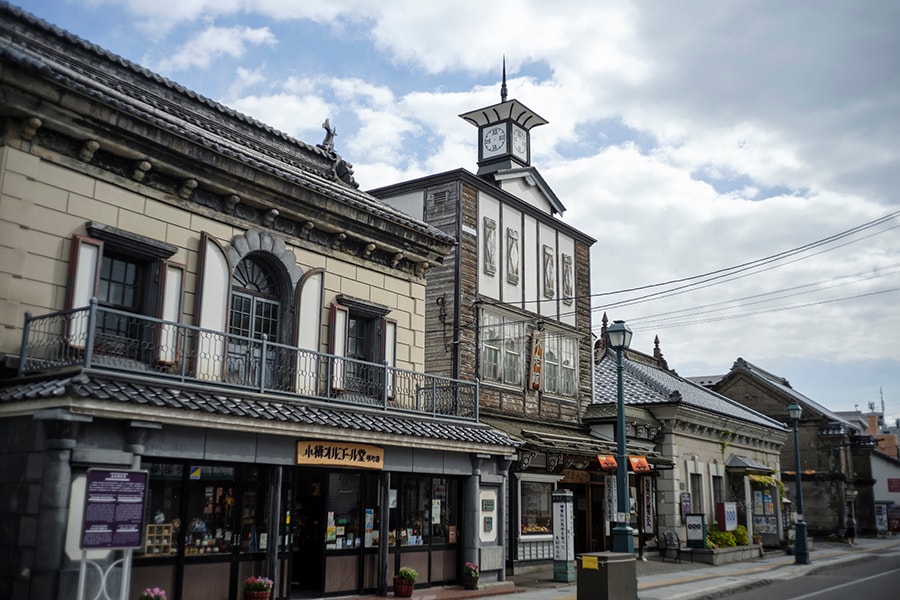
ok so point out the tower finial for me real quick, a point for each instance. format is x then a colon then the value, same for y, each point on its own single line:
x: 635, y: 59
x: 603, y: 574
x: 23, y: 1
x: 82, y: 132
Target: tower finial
x: 503, y: 85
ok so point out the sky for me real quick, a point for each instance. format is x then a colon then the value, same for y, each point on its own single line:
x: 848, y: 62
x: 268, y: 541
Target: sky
x: 737, y: 162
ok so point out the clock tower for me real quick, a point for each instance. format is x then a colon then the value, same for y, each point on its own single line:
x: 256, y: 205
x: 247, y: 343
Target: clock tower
x: 504, y: 133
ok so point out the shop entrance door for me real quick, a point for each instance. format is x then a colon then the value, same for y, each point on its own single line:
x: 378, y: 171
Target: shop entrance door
x: 597, y: 497
x: 306, y: 503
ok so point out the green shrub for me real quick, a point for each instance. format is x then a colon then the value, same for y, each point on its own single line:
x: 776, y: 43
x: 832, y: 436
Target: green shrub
x: 719, y: 539
x: 741, y: 538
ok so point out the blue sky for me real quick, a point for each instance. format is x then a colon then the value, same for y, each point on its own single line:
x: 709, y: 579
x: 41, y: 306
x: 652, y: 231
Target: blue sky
x: 686, y: 137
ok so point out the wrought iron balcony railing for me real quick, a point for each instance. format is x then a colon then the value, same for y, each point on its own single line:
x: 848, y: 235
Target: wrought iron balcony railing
x: 104, y: 338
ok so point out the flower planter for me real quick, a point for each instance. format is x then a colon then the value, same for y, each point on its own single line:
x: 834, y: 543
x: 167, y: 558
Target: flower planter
x: 470, y: 582
x: 403, y: 588
x: 256, y: 595
x: 724, y: 556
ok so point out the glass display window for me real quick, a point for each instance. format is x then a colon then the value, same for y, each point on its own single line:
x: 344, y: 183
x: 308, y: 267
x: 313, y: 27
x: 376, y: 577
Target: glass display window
x: 343, y: 528
x: 205, y: 510
x: 426, y: 513
x: 163, y: 506
x: 536, y: 505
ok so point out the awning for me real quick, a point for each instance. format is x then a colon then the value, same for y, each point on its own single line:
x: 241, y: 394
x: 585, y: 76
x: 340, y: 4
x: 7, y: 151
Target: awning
x: 607, y: 461
x: 639, y: 464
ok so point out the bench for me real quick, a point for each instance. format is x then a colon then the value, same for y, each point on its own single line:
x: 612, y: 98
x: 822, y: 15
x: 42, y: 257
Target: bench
x: 670, y: 542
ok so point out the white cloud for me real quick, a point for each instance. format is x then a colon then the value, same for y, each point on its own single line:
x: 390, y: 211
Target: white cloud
x: 214, y: 43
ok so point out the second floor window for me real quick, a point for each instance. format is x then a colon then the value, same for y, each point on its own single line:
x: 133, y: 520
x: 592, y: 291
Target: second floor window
x: 502, y: 358
x: 560, y: 354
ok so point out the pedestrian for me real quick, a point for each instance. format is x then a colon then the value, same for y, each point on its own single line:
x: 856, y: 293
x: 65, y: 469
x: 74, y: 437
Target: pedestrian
x: 851, y: 530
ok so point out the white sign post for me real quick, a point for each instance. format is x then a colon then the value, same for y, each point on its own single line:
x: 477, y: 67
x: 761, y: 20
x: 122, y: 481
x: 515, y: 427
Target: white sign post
x: 563, y: 536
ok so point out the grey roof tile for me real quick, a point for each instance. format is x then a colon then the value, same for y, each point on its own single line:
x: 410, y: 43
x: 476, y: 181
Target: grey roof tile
x: 120, y: 389
x: 646, y: 385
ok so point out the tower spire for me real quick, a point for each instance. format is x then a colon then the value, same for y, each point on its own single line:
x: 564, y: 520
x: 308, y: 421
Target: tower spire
x: 503, y: 85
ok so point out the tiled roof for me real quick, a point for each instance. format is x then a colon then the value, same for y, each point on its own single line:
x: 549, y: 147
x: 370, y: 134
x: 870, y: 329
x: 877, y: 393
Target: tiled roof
x: 649, y: 386
x: 839, y: 425
x: 261, y: 408
x: 564, y: 438
x: 206, y: 122
x: 550, y: 437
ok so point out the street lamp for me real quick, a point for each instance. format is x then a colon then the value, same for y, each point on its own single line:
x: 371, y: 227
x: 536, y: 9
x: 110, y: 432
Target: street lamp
x: 619, y: 339
x: 801, y: 551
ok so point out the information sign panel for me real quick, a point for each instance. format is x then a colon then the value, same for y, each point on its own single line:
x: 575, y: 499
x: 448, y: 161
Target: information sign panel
x: 114, y: 509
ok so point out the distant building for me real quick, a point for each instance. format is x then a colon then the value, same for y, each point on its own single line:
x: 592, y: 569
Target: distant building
x: 835, y: 453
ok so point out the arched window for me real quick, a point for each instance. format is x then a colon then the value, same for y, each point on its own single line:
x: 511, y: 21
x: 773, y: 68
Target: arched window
x: 255, y: 312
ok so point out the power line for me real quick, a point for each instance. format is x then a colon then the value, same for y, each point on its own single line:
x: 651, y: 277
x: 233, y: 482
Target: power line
x: 722, y: 274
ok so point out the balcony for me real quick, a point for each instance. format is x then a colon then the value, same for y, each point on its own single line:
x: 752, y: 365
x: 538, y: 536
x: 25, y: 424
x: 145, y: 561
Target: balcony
x: 106, y: 339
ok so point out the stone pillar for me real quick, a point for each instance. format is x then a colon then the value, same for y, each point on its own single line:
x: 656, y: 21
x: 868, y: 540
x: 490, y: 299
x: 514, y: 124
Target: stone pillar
x: 61, y: 432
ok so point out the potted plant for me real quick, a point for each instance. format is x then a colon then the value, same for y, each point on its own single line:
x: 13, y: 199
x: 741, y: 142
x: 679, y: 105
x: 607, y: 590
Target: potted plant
x: 470, y: 576
x: 257, y: 588
x: 153, y: 593
x: 404, y: 582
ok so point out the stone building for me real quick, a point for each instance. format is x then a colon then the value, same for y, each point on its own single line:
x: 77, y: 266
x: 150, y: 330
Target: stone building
x: 212, y: 351
x: 510, y: 306
x: 835, y: 454
x: 718, y: 450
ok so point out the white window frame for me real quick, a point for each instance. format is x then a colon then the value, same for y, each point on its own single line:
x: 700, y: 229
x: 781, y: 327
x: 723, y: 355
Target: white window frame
x: 533, y: 478
x: 502, y: 348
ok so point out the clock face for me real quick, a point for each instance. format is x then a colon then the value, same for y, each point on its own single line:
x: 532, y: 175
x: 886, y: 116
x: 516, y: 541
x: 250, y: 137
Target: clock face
x: 520, y: 143
x: 494, y: 140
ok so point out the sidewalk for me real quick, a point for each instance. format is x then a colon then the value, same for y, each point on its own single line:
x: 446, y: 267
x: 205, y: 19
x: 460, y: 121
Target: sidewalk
x: 658, y: 580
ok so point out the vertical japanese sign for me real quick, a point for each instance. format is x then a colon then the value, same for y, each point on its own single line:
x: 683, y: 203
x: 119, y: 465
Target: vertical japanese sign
x: 537, y: 361
x: 114, y: 509
x: 649, y: 515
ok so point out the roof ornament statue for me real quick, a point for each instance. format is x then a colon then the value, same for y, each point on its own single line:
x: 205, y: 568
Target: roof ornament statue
x: 328, y: 143
x: 341, y: 170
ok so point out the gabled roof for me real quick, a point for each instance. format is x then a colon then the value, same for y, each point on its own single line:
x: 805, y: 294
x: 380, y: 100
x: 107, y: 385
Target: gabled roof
x: 530, y: 174
x: 739, y: 462
x: 649, y: 386
x: 783, y: 387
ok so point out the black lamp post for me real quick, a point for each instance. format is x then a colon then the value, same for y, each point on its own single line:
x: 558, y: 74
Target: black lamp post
x: 801, y: 551
x: 619, y: 339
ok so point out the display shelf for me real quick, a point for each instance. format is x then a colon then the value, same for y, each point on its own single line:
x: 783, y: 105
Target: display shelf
x: 159, y: 539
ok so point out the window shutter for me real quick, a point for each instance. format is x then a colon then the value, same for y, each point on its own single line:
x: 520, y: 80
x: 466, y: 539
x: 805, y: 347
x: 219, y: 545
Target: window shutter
x: 390, y: 352
x: 309, y: 317
x: 171, y: 295
x: 85, y: 258
x: 213, y: 298
x: 337, y: 345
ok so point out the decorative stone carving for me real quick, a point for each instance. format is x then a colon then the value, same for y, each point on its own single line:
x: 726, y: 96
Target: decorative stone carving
x: 30, y: 127
x: 270, y: 216
x: 231, y: 203
x: 140, y: 170
x: 187, y: 188
x: 88, y: 148
x: 490, y: 246
x: 369, y: 249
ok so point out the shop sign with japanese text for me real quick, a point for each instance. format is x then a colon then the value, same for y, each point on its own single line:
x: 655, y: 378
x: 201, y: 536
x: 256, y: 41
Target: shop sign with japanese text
x: 339, y: 454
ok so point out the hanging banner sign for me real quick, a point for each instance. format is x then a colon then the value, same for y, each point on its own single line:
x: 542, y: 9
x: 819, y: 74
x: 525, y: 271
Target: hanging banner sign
x: 339, y: 454
x: 639, y: 464
x: 607, y: 461
x: 537, y: 360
